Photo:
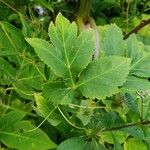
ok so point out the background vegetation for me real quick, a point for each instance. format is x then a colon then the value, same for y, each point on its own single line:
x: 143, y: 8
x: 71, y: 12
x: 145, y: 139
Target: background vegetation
x: 34, y: 111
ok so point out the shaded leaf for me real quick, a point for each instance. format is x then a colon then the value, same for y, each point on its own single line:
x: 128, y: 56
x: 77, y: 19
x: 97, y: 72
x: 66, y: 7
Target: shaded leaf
x: 17, y: 137
x: 29, y: 79
x: 131, y: 103
x: 136, y: 84
x: 117, y: 145
x: 75, y: 143
x: 7, y: 72
x: 10, y: 118
x: 136, y: 132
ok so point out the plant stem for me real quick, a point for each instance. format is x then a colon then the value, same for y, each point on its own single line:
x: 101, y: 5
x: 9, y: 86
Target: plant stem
x: 146, y: 122
x: 84, y: 10
x: 42, y: 121
x: 137, y: 28
x: 80, y: 128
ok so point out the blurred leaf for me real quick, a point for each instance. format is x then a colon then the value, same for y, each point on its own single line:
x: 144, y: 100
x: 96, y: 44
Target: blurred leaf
x: 113, y: 43
x: 45, y: 4
x: 139, y: 58
x: 13, y: 134
x: 132, y: 143
x: 109, y: 136
x: 136, y: 132
x: 75, y: 143
x: 136, y: 84
x: 117, y: 145
x: 130, y: 102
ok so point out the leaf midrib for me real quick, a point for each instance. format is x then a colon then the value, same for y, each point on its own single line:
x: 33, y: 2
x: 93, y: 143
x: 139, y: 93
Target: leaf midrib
x: 68, y: 64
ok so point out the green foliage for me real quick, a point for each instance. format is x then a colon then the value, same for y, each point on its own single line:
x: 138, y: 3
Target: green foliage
x: 134, y: 144
x: 73, y: 143
x: 65, y: 62
x: 13, y: 133
x: 102, y: 77
x: 114, y: 45
x: 79, y: 102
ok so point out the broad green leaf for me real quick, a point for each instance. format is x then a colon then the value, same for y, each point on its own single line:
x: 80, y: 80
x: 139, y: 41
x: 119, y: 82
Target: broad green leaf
x: 75, y: 143
x: 44, y: 108
x: 113, y: 43
x: 139, y: 58
x: 102, y: 77
x: 135, y: 84
x: 68, y: 54
x: 132, y: 143
x: 58, y: 93
x: 17, y: 137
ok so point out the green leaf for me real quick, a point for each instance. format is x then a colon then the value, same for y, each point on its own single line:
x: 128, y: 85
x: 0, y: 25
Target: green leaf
x: 130, y: 102
x: 136, y: 132
x: 26, y: 28
x: 17, y: 137
x: 113, y: 43
x: 146, y: 106
x: 136, y: 84
x: 7, y: 72
x: 109, y: 136
x: 103, y: 76
x: 147, y: 136
x: 12, y: 40
x: 68, y: 54
x: 132, y: 143
x: 75, y: 143
x: 117, y: 145
x: 29, y: 79
x: 44, y: 107
x: 10, y: 118
x: 58, y: 93
x: 139, y: 58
